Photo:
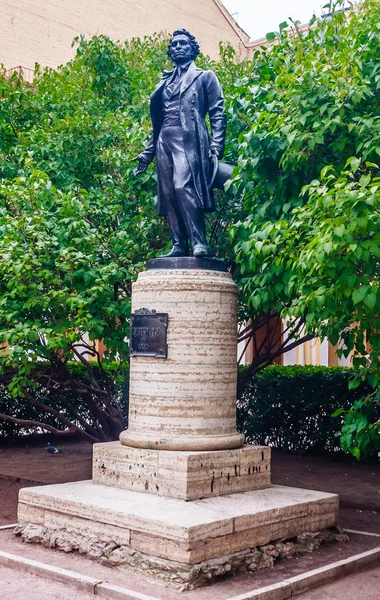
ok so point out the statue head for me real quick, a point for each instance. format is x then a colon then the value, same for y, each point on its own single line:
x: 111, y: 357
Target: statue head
x: 182, y: 46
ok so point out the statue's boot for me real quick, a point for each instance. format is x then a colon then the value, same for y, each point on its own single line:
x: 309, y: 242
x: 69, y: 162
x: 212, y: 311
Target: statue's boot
x: 200, y: 251
x: 175, y: 251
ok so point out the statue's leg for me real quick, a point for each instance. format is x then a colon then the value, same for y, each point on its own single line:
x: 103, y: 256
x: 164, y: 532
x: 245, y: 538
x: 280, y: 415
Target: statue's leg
x: 194, y: 221
x: 187, y: 198
x: 174, y: 219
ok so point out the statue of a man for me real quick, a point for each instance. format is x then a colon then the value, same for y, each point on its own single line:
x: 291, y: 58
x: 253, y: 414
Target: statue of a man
x: 182, y: 144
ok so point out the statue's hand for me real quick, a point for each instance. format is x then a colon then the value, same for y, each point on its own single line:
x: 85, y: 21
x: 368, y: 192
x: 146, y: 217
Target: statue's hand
x: 142, y: 166
x: 216, y: 151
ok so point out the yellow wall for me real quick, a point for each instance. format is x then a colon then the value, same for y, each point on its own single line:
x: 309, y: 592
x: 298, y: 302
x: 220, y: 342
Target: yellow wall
x: 42, y: 30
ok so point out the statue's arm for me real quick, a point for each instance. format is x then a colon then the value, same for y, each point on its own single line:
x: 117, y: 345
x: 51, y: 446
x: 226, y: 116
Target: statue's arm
x: 145, y: 157
x: 149, y: 153
x: 215, y: 101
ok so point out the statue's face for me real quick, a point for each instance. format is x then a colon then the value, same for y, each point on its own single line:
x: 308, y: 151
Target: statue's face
x: 180, y: 49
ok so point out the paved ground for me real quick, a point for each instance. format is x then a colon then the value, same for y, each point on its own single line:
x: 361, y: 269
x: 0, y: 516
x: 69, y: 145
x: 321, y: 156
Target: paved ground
x: 24, y: 586
x: 357, y: 483
x: 23, y: 465
x: 360, y: 586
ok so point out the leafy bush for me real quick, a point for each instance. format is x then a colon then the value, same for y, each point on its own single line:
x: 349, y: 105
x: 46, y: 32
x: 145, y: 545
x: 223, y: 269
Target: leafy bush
x: 71, y: 406
x: 290, y: 408
x: 308, y: 173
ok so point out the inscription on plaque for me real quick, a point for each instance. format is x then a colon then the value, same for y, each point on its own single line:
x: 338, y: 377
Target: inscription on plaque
x: 148, y: 333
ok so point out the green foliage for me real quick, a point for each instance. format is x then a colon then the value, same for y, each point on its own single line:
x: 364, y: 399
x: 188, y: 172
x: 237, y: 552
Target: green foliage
x: 290, y: 408
x: 360, y: 432
x: 308, y: 175
x: 76, y: 226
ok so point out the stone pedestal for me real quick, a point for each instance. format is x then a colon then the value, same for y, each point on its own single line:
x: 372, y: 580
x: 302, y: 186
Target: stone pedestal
x: 185, y: 475
x: 183, y: 543
x: 187, y: 401
x: 180, y: 498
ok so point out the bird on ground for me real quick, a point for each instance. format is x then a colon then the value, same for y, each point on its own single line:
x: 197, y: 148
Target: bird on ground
x: 50, y: 449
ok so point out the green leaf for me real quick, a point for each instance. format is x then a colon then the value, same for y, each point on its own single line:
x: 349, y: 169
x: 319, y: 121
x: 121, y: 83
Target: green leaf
x: 359, y: 294
x: 338, y: 412
x: 370, y: 300
x: 364, y: 180
x: 353, y: 162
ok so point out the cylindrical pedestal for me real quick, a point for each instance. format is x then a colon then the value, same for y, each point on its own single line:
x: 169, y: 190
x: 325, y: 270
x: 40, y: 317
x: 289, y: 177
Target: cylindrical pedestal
x: 188, y: 400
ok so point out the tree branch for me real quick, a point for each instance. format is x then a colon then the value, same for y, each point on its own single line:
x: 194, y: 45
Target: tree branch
x: 58, y: 432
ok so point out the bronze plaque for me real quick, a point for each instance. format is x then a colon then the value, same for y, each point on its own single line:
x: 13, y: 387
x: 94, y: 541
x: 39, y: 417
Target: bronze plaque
x: 148, y: 333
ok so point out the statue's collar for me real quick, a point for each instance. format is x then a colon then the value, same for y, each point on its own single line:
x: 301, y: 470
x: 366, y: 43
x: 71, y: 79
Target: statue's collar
x: 191, y: 73
x: 183, y: 68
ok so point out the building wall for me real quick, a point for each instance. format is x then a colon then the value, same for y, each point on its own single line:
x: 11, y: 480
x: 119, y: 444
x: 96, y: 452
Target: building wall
x: 42, y: 30
x: 313, y: 352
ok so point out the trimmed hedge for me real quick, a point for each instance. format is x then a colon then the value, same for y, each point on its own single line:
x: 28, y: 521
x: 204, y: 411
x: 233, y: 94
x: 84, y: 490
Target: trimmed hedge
x: 290, y: 408
x: 19, y: 408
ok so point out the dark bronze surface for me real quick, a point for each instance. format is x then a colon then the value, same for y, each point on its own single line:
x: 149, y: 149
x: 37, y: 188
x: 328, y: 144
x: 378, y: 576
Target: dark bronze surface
x: 182, y: 146
x: 187, y: 262
x: 222, y: 173
x: 148, y: 333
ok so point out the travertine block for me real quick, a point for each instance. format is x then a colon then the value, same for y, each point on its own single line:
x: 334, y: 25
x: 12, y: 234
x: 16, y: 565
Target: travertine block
x: 187, y: 401
x: 76, y: 525
x: 186, y: 475
x: 28, y: 514
x: 192, y: 532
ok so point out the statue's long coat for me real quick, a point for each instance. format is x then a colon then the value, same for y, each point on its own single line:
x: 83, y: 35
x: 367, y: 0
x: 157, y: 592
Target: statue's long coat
x: 200, y: 94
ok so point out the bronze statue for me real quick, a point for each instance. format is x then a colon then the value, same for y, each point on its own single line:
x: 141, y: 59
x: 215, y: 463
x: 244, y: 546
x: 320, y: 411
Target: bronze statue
x: 182, y: 145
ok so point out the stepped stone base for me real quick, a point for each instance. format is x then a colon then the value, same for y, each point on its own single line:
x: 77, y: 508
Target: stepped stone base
x: 185, y: 475
x: 152, y: 530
